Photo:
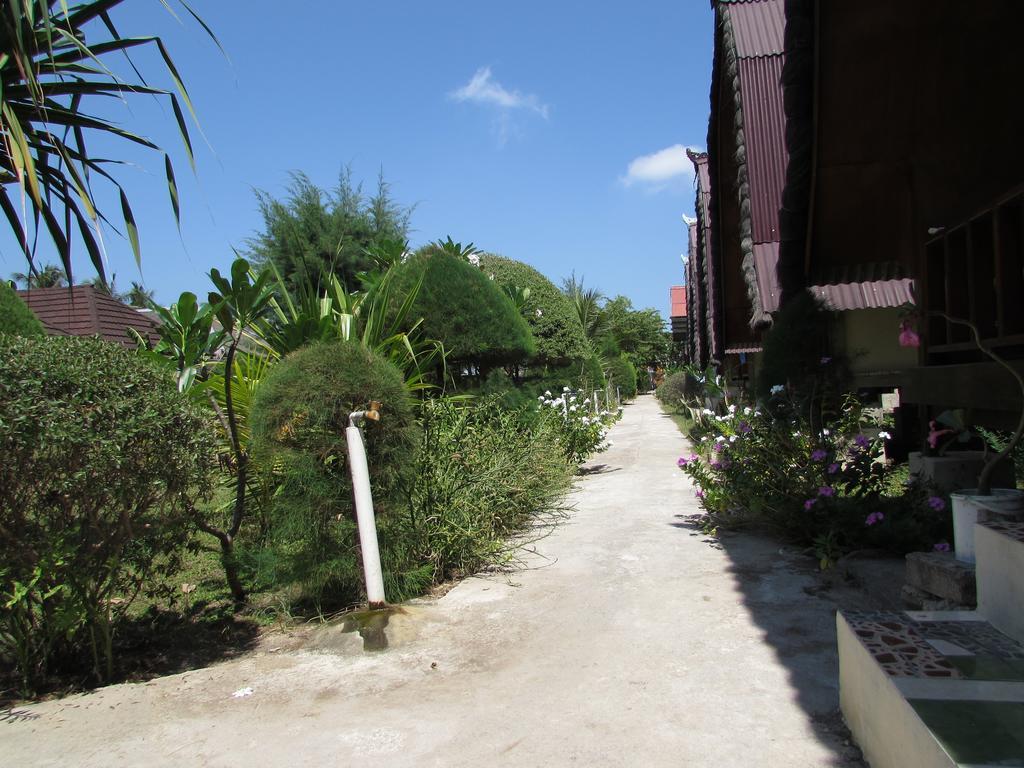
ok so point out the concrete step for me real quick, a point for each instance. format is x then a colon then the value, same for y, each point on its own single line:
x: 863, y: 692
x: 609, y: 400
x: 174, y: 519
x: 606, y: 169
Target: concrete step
x: 931, y: 689
x: 999, y: 547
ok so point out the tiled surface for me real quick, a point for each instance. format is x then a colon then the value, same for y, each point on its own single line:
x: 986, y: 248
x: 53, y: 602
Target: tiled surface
x: 976, y: 732
x: 1007, y: 528
x: 897, y: 647
x: 906, y: 647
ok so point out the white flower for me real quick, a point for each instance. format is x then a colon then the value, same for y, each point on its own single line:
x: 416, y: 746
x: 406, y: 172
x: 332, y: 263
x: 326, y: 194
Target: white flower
x: 474, y: 260
x: 720, y: 439
x: 708, y: 412
x: 778, y: 389
x: 826, y: 432
x: 796, y: 434
x: 565, y: 389
x: 547, y: 393
x: 746, y: 411
x: 539, y: 312
x: 572, y: 408
x: 704, y: 439
x: 541, y: 398
x: 732, y: 438
x: 491, y: 276
x: 732, y: 409
x: 885, y: 435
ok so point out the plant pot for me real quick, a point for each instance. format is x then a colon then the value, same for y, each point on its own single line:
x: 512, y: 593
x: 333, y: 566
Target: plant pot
x: 970, y: 508
x: 957, y: 469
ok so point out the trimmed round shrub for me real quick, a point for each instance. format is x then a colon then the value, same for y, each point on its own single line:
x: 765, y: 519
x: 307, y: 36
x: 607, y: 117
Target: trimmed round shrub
x: 460, y: 307
x: 553, y: 321
x: 102, y: 462
x: 15, y: 316
x: 299, y: 416
x: 622, y: 374
x: 676, y: 389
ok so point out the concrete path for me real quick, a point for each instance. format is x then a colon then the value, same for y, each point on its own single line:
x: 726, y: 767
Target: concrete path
x: 630, y: 640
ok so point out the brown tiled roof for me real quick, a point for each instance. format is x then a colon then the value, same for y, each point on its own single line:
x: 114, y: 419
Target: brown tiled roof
x: 83, y: 311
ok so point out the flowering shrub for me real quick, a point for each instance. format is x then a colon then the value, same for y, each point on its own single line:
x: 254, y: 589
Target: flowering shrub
x: 829, y: 487
x: 583, y: 428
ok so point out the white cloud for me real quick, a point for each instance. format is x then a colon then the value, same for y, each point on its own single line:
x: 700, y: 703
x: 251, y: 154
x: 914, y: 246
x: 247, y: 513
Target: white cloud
x: 482, y: 88
x: 659, y: 167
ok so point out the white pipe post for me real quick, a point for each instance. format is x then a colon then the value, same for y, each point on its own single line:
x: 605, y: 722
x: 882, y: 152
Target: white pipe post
x: 364, y: 512
x: 597, y: 404
x: 618, y: 398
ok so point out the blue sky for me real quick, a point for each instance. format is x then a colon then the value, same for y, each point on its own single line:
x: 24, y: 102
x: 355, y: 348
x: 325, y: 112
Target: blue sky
x: 548, y: 132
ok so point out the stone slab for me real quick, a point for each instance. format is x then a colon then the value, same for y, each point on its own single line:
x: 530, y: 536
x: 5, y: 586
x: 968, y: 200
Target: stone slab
x: 942, y: 575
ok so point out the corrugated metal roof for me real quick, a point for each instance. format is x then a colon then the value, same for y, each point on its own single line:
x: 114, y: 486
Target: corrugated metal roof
x: 759, y: 27
x: 84, y: 311
x: 766, y: 257
x: 764, y: 128
x: 872, y: 294
x: 677, y: 295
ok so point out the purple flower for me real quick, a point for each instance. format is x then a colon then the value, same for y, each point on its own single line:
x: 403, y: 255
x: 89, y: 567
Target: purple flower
x: 810, y: 503
x: 716, y: 464
x: 826, y: 490
x: 937, y: 503
x: 744, y: 427
x: 874, y: 517
x: 699, y: 493
x: 833, y: 468
x: 818, y: 454
x: 682, y: 462
x: 942, y: 546
x: 861, y: 441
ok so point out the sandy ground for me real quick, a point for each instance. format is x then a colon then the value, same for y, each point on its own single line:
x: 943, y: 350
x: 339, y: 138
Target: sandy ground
x: 628, y: 640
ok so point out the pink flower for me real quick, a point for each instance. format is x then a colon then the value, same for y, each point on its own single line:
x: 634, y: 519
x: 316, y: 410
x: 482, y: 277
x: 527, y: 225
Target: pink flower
x: 682, y: 462
x: 936, y: 433
x: 874, y: 517
x: 810, y: 503
x: 908, y: 336
x: 699, y: 493
x: 826, y: 490
x: 942, y: 546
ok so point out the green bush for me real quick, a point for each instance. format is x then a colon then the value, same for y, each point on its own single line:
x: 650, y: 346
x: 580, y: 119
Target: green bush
x: 582, y: 427
x: 481, y: 474
x: 797, y: 356
x: 478, y: 324
x: 622, y: 374
x: 102, y: 461
x: 676, y: 390
x: 553, y: 320
x: 828, y: 488
x: 592, y: 374
x: 298, y: 420
x: 15, y: 316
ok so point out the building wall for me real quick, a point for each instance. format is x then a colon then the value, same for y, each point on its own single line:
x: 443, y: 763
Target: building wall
x: 869, y: 338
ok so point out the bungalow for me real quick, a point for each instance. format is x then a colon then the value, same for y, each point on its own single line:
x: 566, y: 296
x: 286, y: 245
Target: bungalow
x: 81, y: 310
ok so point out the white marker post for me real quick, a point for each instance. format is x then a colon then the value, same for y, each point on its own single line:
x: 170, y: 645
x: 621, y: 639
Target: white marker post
x: 364, y: 505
